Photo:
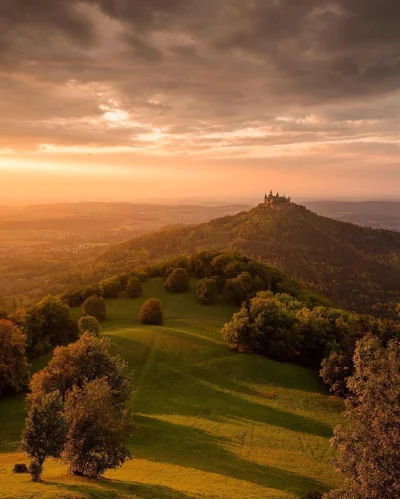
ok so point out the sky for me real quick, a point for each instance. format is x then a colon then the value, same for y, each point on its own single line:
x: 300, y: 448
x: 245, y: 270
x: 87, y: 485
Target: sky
x: 133, y: 100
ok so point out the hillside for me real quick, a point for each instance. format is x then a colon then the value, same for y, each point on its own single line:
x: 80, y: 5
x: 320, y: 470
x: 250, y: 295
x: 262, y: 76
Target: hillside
x: 209, y: 422
x: 374, y: 214
x: 357, y: 267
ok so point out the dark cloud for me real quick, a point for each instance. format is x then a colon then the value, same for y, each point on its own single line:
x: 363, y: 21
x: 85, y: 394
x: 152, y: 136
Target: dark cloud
x: 188, y: 67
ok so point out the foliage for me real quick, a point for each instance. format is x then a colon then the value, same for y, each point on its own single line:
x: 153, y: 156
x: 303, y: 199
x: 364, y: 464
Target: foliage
x: 178, y: 281
x: 151, y: 312
x: 265, y: 325
x: 89, y: 324
x: 284, y: 328
x: 14, y: 369
x: 239, y: 288
x: 356, y: 267
x: 85, y: 360
x: 95, y: 430
x: 279, y: 412
x: 133, y: 288
x: 369, y: 444
x: 45, y: 431
x: 92, y: 290
x: 207, y: 290
x: 48, y: 323
x: 95, y: 306
x: 111, y: 287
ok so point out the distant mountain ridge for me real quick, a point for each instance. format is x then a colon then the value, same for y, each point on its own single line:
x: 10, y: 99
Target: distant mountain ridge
x: 357, y: 267
x: 374, y: 214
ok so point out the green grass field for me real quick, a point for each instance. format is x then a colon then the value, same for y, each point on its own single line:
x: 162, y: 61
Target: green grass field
x: 210, y: 423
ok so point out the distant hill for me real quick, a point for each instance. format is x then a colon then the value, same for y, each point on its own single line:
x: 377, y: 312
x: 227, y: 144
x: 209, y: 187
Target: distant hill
x: 375, y: 214
x: 357, y: 267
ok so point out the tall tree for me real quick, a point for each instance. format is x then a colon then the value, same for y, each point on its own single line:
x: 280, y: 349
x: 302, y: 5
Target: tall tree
x: 14, y: 369
x: 368, y: 444
x: 45, y: 431
x: 96, y: 428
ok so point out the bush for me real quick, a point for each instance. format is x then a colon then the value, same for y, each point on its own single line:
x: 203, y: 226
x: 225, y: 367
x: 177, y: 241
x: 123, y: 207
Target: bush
x: 133, y: 288
x: 89, y: 324
x: 177, y: 281
x: 207, y: 290
x: 151, y: 312
x: 95, y: 306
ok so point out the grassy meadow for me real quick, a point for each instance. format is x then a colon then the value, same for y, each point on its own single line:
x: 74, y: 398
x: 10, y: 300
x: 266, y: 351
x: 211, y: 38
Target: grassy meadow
x: 209, y: 423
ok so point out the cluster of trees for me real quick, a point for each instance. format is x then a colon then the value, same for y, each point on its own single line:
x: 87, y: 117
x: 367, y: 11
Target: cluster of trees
x: 236, y: 276
x: 77, y: 409
x: 108, y: 288
x: 283, y: 327
x: 356, y: 267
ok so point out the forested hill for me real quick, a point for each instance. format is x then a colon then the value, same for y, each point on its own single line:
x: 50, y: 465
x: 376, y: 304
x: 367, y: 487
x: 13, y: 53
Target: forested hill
x: 357, y: 267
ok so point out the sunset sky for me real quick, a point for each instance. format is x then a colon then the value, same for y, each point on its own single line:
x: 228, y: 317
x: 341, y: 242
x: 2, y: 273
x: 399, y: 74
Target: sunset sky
x: 135, y: 100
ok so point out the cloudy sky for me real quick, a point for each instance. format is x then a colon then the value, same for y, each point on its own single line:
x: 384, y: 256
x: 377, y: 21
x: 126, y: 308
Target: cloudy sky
x: 218, y: 99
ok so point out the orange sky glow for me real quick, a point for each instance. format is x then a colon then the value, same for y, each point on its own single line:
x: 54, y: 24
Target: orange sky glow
x: 117, y: 101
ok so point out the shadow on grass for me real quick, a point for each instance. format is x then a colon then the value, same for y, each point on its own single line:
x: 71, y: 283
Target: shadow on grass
x: 180, y: 387
x: 106, y: 488
x: 193, y: 448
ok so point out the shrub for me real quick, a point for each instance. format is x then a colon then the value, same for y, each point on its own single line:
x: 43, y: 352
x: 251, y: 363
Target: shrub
x: 151, y: 312
x: 89, y: 324
x: 133, y: 288
x: 95, y: 306
x: 14, y: 369
x: 177, y: 281
x: 207, y: 290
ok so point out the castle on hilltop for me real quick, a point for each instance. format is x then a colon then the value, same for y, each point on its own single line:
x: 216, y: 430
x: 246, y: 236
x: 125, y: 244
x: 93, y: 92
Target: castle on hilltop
x: 276, y: 200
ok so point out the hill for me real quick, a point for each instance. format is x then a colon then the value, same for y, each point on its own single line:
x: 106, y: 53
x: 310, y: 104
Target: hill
x: 209, y: 422
x: 356, y: 267
x: 375, y: 214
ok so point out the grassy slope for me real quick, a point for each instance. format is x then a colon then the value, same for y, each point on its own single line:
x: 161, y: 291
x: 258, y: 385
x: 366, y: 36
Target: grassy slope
x: 210, y: 423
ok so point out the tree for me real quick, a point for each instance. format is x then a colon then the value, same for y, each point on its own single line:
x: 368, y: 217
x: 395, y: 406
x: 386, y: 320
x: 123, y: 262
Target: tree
x: 48, y: 323
x: 85, y: 360
x: 177, y: 281
x: 45, y: 431
x: 93, y: 290
x: 14, y: 370
x: 89, y: 324
x: 96, y: 428
x: 151, y: 312
x: 335, y: 370
x: 369, y: 444
x: 111, y: 287
x: 239, y: 288
x: 95, y: 306
x: 207, y: 290
x: 133, y: 288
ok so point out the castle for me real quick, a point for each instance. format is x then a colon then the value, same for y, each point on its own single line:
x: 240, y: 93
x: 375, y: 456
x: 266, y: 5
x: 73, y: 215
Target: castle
x: 277, y: 200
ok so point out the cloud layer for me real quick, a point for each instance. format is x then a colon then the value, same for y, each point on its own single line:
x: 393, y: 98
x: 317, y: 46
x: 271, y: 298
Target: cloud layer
x: 211, y: 78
